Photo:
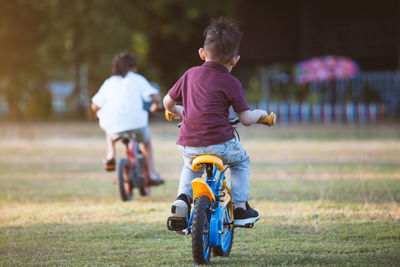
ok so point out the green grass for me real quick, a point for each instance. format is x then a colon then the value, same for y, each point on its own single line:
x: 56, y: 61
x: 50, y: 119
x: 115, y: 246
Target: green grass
x: 326, y: 196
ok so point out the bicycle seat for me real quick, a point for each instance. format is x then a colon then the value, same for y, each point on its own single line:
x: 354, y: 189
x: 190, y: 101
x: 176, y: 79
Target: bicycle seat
x: 125, y: 137
x: 198, y: 162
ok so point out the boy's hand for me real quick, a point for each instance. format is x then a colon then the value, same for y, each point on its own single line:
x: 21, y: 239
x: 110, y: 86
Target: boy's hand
x: 154, y: 108
x: 95, y: 108
x: 248, y: 117
x: 172, y: 108
x: 178, y: 112
x: 261, y: 113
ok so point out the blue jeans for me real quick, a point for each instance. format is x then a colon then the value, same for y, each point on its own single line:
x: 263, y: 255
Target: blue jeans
x: 232, y: 154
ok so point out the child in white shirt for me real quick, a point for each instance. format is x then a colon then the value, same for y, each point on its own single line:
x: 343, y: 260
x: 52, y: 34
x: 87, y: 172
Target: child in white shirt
x: 119, y: 107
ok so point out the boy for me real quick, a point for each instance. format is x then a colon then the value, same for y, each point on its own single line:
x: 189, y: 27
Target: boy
x: 207, y: 92
x: 119, y: 107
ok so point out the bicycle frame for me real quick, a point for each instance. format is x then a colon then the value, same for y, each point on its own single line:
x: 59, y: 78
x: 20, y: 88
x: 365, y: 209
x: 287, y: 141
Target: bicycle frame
x: 132, y: 170
x: 131, y: 150
x: 219, y: 193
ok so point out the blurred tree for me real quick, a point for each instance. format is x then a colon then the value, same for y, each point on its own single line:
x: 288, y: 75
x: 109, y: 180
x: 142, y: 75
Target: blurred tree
x: 85, y: 33
x: 41, y: 38
x: 23, y: 33
x: 170, y: 32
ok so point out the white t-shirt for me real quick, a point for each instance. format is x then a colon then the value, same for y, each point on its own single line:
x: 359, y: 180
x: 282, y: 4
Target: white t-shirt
x: 121, y: 102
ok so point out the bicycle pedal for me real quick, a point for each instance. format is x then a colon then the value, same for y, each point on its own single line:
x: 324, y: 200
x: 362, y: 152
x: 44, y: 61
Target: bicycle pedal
x: 176, y: 223
x: 248, y: 225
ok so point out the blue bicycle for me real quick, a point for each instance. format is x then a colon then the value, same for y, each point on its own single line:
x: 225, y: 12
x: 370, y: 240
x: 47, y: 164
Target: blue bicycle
x: 211, y: 220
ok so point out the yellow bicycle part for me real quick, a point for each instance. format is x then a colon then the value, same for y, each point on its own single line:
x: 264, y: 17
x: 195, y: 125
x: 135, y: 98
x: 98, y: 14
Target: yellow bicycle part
x: 169, y: 116
x: 228, y: 190
x: 197, y: 164
x: 269, y: 119
x: 201, y: 188
x: 226, y: 198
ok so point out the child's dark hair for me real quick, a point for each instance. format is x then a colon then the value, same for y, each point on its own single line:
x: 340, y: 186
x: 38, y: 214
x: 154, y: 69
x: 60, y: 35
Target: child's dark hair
x: 122, y: 63
x: 222, y: 40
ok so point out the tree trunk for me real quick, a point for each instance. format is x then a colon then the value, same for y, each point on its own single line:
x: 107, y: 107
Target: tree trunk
x: 13, y: 98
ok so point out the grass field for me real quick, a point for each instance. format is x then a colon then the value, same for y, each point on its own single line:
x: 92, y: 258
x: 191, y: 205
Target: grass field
x: 326, y: 196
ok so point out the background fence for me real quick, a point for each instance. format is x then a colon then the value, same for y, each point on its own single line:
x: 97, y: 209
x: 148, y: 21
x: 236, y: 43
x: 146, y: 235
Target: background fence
x: 371, y: 86
x: 357, y: 113
x: 370, y: 97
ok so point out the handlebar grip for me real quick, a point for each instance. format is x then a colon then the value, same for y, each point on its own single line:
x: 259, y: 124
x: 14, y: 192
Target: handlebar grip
x: 169, y: 116
x: 268, y: 120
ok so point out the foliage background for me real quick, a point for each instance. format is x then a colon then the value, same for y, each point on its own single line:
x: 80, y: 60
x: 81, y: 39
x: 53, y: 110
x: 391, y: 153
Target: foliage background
x: 43, y: 40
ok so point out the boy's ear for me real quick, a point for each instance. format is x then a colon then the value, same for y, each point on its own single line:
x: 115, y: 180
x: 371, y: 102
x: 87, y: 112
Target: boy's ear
x: 202, y: 54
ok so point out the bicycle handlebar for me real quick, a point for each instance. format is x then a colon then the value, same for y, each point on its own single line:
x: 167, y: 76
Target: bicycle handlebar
x: 268, y: 120
x: 169, y: 116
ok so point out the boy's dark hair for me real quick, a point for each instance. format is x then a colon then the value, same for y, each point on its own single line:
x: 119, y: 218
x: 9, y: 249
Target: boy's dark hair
x: 222, y: 40
x: 122, y: 63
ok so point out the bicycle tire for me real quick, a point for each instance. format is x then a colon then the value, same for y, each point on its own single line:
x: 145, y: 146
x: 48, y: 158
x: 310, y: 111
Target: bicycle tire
x: 201, y: 250
x: 124, y: 182
x: 141, y: 173
x: 227, y: 239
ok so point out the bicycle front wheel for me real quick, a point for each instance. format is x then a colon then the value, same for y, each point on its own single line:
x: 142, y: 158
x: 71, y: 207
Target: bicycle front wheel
x: 201, y: 231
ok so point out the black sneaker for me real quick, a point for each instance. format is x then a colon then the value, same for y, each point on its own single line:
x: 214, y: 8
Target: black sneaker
x: 245, y: 218
x: 180, y: 213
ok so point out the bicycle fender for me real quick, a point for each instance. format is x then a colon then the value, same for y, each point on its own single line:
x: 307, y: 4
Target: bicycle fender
x: 201, y: 188
x: 215, y: 227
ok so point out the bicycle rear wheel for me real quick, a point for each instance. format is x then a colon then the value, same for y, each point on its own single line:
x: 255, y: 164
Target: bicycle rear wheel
x: 124, y: 182
x: 142, y: 176
x: 201, y: 231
